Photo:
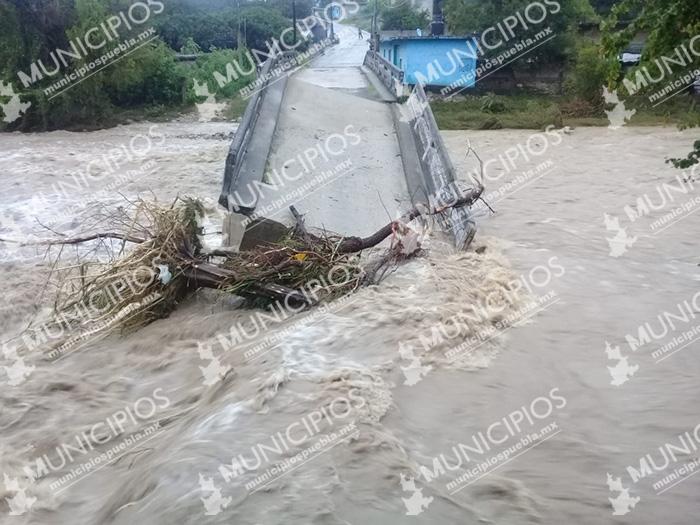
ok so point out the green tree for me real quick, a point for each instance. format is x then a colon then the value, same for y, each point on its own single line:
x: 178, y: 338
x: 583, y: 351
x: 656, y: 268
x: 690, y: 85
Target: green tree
x: 668, y: 25
x: 258, y: 25
x: 588, y: 74
x: 205, y: 29
x: 403, y: 17
x: 146, y: 78
x: 217, y: 62
x: 562, y: 18
x: 86, y: 101
x: 261, y: 26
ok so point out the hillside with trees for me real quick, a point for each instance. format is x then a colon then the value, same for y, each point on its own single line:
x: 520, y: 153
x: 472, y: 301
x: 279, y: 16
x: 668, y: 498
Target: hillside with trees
x: 147, y: 81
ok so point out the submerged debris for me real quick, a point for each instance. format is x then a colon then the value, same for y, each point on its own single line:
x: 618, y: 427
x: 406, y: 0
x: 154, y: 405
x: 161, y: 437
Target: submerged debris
x: 148, y: 257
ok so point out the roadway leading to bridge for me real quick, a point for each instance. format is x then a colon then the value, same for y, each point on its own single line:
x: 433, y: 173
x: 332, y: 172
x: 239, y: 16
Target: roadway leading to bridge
x: 337, y: 139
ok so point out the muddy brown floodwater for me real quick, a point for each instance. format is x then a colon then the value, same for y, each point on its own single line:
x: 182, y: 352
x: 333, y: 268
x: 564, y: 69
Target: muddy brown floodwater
x: 467, y: 388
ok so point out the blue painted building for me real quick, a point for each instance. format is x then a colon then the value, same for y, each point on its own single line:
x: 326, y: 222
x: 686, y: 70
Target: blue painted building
x: 433, y: 60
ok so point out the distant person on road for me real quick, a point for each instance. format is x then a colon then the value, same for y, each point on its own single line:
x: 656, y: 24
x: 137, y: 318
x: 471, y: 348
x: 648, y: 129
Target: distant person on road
x: 359, y: 33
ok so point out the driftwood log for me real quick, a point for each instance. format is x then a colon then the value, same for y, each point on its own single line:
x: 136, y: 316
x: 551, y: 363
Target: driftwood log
x: 203, y: 274
x: 357, y: 244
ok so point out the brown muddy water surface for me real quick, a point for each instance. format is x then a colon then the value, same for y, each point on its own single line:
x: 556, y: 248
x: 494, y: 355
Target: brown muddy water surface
x: 363, y: 413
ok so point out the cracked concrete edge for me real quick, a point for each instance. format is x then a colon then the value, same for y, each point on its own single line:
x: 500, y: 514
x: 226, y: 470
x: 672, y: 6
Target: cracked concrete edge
x: 254, y: 161
x: 461, y: 223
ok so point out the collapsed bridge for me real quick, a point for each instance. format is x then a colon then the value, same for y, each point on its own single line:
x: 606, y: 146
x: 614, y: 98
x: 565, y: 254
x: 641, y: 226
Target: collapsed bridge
x: 331, y: 137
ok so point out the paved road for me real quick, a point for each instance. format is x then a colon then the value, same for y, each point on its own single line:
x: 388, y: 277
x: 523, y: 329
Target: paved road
x: 335, y: 144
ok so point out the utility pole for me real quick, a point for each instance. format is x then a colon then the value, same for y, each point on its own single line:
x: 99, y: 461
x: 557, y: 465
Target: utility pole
x: 238, y: 32
x: 374, y: 18
x: 294, y: 18
x: 375, y: 29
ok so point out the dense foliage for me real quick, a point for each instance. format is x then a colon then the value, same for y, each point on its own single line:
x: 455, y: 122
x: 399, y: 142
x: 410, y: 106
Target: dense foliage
x: 562, y: 18
x: 669, y: 26
x: 254, y: 24
x: 603, y: 7
x: 403, y: 17
x: 216, y: 62
x: 146, y: 79
x: 586, y: 76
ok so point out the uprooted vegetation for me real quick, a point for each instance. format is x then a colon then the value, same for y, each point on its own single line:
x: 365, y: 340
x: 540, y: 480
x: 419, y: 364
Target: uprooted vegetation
x: 144, y: 258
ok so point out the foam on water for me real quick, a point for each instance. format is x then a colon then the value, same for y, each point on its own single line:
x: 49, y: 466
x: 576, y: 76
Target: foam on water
x: 354, y: 350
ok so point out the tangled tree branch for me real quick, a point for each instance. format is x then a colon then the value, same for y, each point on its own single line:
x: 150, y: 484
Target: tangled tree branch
x: 79, y: 240
x: 167, y: 263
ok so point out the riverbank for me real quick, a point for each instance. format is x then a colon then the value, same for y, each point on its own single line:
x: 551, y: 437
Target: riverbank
x: 536, y: 111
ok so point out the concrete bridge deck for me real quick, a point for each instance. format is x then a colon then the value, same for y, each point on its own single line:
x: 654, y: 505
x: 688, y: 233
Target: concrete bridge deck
x: 335, y: 153
x: 331, y: 139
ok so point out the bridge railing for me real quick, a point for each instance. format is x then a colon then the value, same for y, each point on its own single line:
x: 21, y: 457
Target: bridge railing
x: 439, y: 175
x: 244, y: 133
x: 390, y: 75
x: 247, y: 156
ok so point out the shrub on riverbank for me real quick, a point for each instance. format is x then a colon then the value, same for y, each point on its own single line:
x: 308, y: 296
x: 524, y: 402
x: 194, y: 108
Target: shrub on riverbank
x: 148, y: 80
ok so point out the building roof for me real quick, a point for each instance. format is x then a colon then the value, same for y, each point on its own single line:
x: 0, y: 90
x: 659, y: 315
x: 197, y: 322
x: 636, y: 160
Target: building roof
x: 410, y: 34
